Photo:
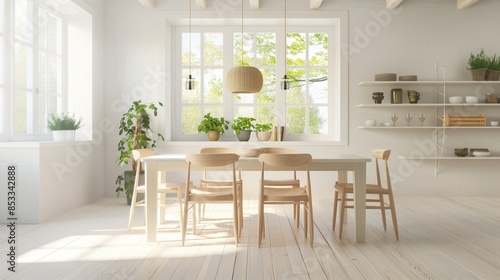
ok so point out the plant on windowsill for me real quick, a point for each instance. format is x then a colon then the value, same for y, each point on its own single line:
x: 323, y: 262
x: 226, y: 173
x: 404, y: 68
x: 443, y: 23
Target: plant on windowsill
x: 263, y: 131
x: 213, y: 126
x: 478, y: 65
x: 243, y: 127
x: 136, y: 133
x: 63, y: 126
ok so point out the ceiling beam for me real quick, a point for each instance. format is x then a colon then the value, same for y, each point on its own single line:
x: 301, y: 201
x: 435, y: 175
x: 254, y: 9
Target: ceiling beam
x: 202, y: 4
x: 254, y: 4
x: 462, y: 4
x: 148, y: 3
x: 314, y: 4
x: 392, y: 4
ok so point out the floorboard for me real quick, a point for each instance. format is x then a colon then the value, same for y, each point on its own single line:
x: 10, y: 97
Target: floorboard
x: 440, y: 238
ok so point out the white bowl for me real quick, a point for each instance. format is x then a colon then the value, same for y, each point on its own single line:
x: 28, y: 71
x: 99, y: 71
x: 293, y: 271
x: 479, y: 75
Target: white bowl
x: 494, y: 123
x: 471, y: 99
x: 456, y: 99
x: 371, y: 122
x: 481, y: 154
x: 388, y: 124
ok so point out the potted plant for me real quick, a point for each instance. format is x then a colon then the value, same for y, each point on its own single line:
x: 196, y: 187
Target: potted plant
x: 63, y: 126
x: 493, y: 73
x: 136, y: 134
x: 478, y: 65
x: 243, y: 126
x: 213, y: 126
x: 263, y: 131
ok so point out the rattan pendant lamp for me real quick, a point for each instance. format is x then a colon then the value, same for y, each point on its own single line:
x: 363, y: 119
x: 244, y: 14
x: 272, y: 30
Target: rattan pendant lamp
x: 190, y: 82
x: 285, y: 81
x: 242, y: 78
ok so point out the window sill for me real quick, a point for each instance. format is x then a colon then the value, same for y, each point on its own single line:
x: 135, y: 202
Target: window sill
x: 40, y: 144
x: 253, y: 144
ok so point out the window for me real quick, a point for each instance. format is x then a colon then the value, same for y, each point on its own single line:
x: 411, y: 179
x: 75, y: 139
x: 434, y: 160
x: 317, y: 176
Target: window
x: 37, y: 69
x: 312, y: 109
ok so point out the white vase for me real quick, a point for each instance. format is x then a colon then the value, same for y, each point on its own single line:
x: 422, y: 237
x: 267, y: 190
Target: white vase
x: 63, y: 135
x: 59, y: 135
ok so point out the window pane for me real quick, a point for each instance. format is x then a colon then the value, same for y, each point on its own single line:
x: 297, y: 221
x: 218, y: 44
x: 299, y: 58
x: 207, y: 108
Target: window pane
x: 318, y: 86
x: 266, y: 114
x: 244, y: 98
x: 296, y: 94
x: 266, y: 49
x: 2, y: 15
x: 55, y: 105
x: 295, y: 120
x: 42, y: 71
x: 191, y: 117
x: 296, y: 49
x: 213, y: 49
x: 23, y: 68
x: 191, y: 45
x: 23, y: 112
x: 191, y: 96
x: 318, y: 120
x: 52, y: 74
x: 318, y: 49
x: 212, y: 86
x: 53, y: 27
x: 245, y: 55
x: 23, y: 18
x: 243, y: 111
x: 267, y: 94
x: 41, y: 113
x: 42, y: 29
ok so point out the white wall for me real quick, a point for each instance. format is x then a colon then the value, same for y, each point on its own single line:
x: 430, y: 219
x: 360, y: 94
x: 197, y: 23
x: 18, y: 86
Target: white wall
x: 408, y: 41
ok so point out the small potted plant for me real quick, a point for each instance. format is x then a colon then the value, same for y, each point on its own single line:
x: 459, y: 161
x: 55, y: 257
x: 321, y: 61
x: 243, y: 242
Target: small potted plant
x: 213, y: 126
x: 136, y: 134
x: 478, y: 65
x: 63, y: 126
x: 263, y: 131
x: 243, y: 127
x: 493, y: 73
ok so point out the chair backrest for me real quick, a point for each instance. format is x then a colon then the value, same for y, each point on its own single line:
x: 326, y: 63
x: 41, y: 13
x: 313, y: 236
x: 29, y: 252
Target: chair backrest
x: 220, y: 150
x: 382, y: 154
x: 137, y: 155
x: 294, y: 161
x: 279, y: 150
x: 211, y: 161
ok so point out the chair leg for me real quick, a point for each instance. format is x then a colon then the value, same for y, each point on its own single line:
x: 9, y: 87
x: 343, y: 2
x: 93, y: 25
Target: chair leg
x: 342, y: 212
x: 193, y: 212
x: 306, y: 220
x: 394, y: 218
x: 335, y: 204
x: 184, y: 219
x: 179, y: 201
x: 236, y: 225
x: 261, y: 222
x: 311, y: 222
x: 382, y: 209
x: 297, y: 215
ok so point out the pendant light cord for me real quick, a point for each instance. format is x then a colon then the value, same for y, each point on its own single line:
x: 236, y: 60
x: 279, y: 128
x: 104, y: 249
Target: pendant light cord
x: 190, y: 34
x: 285, y: 39
x: 241, y: 47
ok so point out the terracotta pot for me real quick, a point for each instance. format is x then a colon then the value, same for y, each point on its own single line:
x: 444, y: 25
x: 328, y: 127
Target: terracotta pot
x: 213, y: 135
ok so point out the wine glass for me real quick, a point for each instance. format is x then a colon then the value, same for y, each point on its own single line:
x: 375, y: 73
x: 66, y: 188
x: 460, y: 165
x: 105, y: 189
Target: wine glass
x: 421, y: 118
x: 409, y: 117
x: 394, y: 119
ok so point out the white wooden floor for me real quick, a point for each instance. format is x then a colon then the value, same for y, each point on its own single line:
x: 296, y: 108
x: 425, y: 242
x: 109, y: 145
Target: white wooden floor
x: 440, y: 238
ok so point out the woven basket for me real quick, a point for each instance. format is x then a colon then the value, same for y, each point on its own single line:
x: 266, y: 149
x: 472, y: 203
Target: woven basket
x: 473, y: 120
x: 478, y: 74
x: 492, y: 75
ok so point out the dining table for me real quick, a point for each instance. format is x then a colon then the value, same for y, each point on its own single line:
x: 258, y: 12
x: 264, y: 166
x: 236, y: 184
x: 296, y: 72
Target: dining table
x: 156, y: 166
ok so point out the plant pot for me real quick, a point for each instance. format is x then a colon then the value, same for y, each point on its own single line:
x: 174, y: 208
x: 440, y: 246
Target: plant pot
x: 478, y: 74
x: 263, y: 135
x: 129, y: 176
x: 63, y: 135
x: 492, y: 75
x: 213, y: 135
x: 244, y: 135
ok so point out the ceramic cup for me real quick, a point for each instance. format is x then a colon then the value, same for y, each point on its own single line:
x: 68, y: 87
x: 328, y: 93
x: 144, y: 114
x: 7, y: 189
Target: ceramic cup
x: 494, y: 123
x: 396, y: 96
x: 413, y: 96
x: 378, y: 97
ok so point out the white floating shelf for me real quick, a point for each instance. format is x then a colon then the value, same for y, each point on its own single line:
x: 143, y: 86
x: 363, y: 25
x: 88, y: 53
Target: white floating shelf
x: 427, y: 83
x: 416, y: 105
x: 429, y: 127
x: 450, y: 158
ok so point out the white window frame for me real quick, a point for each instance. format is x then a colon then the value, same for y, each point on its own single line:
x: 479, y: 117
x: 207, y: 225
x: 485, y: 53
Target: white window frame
x: 8, y: 133
x: 333, y: 22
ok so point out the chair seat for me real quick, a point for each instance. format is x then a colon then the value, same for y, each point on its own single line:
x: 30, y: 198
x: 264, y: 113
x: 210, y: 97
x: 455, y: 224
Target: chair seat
x: 289, y: 194
x: 370, y: 188
x: 283, y: 183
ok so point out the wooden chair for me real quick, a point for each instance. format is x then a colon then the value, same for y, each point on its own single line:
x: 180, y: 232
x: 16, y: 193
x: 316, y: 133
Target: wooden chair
x: 212, y: 193
x: 207, y: 182
x: 163, y: 188
x: 375, y: 195
x: 278, y: 195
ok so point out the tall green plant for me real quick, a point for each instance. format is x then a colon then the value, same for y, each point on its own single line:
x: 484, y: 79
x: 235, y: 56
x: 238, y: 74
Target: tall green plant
x: 136, y: 133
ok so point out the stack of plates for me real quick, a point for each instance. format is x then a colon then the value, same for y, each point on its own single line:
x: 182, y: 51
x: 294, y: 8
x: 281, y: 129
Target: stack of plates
x: 479, y: 152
